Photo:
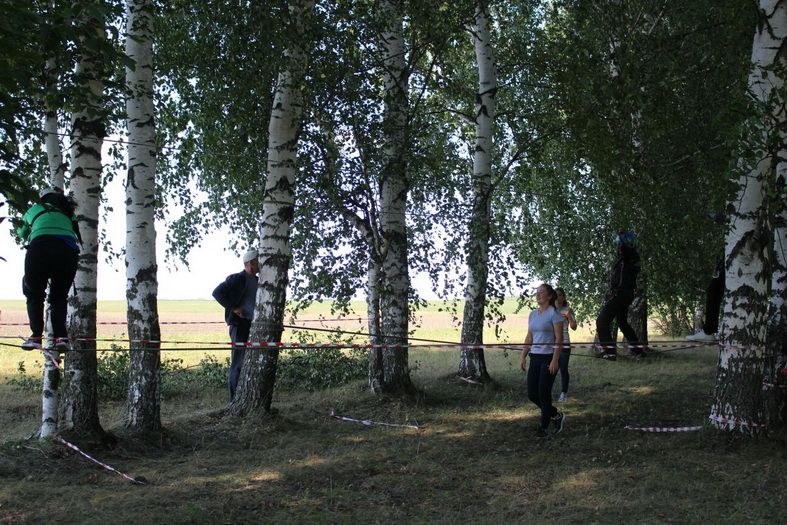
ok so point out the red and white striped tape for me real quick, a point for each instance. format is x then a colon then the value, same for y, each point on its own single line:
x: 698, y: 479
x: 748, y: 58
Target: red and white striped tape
x: 97, y: 462
x: 369, y: 422
x: 264, y: 344
x: 693, y: 428
x: 53, y: 356
x: 124, y: 323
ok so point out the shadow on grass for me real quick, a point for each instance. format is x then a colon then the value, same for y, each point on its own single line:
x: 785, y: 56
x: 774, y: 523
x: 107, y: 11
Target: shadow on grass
x: 475, y: 459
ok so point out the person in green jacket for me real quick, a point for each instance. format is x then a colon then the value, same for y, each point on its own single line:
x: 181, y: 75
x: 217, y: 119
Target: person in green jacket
x: 52, y: 236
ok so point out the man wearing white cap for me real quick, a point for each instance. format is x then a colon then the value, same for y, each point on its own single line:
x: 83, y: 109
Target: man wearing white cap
x: 238, y: 294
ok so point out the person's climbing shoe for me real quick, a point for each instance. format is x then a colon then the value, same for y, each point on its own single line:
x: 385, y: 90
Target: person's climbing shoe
x: 32, y: 343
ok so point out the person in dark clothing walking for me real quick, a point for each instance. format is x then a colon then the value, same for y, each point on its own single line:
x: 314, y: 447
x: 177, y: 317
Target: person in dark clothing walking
x: 52, y: 235
x: 713, y: 296
x: 623, y: 279
x: 238, y: 294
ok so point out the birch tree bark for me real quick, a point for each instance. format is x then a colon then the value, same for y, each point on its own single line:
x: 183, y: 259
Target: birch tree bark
x: 144, y: 388
x: 78, y: 409
x: 376, y: 374
x: 56, y: 178
x: 638, y: 310
x: 738, y: 397
x: 775, y: 380
x: 54, y: 152
x: 258, y: 375
x: 472, y: 364
x: 394, y: 294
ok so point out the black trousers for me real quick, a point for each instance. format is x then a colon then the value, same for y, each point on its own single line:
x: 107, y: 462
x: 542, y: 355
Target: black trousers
x: 49, y: 260
x: 238, y: 334
x: 713, y: 299
x: 617, y: 308
x: 565, y: 355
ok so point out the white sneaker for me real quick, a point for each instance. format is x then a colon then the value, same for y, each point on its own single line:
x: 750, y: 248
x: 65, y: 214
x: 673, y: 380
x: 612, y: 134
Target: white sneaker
x: 701, y: 337
x: 563, y: 397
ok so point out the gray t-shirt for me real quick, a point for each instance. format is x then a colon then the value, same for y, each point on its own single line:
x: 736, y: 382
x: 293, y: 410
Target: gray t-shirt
x: 566, y: 338
x: 249, y: 299
x: 541, y: 326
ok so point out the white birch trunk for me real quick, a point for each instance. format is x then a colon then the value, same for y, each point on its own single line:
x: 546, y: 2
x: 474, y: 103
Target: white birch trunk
x: 738, y: 398
x: 50, y: 396
x: 394, y: 296
x: 258, y: 375
x: 376, y: 374
x: 144, y: 396
x: 775, y: 380
x: 54, y: 153
x: 472, y: 364
x: 79, y: 403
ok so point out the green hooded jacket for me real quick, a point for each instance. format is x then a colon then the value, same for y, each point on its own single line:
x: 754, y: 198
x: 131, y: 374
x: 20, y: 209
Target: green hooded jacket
x: 46, y: 219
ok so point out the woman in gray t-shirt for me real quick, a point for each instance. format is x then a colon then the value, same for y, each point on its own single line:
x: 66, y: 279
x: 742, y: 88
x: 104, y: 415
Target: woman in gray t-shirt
x: 561, y: 305
x: 543, y: 342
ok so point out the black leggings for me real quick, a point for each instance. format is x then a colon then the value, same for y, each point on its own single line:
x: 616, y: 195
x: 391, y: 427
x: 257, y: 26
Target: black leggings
x: 49, y: 260
x: 539, y: 386
x: 565, y: 355
x: 616, y: 307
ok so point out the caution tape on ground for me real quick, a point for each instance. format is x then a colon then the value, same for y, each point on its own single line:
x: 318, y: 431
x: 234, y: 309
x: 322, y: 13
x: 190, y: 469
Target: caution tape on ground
x: 97, y: 462
x: 692, y: 428
x: 370, y: 423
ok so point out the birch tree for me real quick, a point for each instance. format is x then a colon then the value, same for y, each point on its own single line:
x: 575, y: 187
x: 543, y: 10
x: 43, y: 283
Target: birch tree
x: 394, y: 298
x: 775, y: 377
x: 738, y: 396
x: 472, y: 364
x: 258, y: 375
x: 78, y: 410
x: 55, y: 178
x: 344, y: 164
x: 144, y: 386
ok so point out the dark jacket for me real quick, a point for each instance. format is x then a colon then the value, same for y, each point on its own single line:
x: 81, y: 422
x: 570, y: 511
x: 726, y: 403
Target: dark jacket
x: 625, y: 270
x: 229, y: 295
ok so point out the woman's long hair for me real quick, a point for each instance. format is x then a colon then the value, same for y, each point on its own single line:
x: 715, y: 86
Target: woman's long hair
x: 563, y: 293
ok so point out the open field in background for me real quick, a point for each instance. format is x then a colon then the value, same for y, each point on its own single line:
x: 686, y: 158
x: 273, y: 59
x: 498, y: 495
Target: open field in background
x: 475, y: 460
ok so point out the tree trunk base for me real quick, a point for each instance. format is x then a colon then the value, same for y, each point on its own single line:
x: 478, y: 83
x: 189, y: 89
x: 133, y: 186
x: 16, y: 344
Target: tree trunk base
x: 481, y: 380
x: 405, y: 390
x: 90, y: 440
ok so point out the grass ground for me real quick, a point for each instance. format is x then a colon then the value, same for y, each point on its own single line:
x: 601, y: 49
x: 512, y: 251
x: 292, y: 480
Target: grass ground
x: 474, y: 460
